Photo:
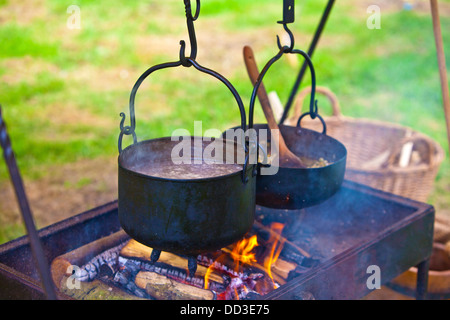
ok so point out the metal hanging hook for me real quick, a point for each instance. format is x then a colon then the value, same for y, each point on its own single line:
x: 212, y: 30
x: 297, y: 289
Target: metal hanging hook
x: 191, y: 30
x: 291, y: 38
x: 187, y: 4
x: 288, y: 17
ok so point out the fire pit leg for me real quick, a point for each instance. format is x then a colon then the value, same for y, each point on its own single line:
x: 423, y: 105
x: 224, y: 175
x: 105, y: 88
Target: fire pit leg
x: 155, y: 255
x: 192, y: 265
x: 422, y: 279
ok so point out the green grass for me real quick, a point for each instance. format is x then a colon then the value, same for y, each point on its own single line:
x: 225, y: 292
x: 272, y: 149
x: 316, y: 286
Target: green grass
x: 11, y: 231
x: 389, y: 74
x: 18, y: 42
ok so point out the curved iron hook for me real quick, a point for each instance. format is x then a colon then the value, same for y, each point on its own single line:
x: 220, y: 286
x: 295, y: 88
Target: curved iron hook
x: 324, y: 125
x: 291, y: 37
x: 191, y: 30
x: 187, y: 4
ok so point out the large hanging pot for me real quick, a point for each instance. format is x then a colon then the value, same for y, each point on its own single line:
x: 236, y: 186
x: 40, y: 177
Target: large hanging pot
x: 185, y: 208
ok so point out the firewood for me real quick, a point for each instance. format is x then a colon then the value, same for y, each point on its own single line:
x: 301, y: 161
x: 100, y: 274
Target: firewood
x: 94, y: 290
x: 163, y: 288
x: 61, y: 266
x: 282, y: 268
x: 136, y: 250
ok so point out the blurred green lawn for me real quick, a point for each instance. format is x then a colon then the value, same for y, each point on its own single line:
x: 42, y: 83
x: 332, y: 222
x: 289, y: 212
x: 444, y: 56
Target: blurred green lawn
x: 62, y: 90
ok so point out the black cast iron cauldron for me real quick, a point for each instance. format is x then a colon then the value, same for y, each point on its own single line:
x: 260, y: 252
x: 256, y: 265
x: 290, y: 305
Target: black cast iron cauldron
x: 186, y: 216
x: 298, y: 188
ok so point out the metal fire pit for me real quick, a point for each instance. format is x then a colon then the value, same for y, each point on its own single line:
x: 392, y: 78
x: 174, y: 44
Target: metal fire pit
x: 357, y: 228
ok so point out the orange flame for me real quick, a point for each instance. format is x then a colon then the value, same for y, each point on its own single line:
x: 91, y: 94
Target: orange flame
x: 210, y: 269
x: 242, y: 251
x: 207, y: 274
x: 277, y: 229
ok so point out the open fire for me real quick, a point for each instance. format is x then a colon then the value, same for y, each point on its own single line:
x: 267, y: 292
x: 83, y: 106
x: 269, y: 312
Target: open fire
x: 248, y: 269
x: 322, y: 252
x: 245, y: 260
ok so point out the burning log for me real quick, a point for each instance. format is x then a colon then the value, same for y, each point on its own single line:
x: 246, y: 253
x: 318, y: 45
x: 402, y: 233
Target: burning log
x: 163, y: 288
x: 171, y: 266
x: 139, y: 251
x: 120, y: 263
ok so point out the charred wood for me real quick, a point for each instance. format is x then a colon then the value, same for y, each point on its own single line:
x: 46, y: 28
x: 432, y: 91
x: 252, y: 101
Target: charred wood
x: 164, y: 288
x: 86, y: 261
x: 174, y: 273
x: 170, y: 265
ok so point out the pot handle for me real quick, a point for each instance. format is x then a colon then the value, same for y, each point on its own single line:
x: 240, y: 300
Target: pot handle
x: 185, y: 62
x: 286, y: 49
x: 130, y: 130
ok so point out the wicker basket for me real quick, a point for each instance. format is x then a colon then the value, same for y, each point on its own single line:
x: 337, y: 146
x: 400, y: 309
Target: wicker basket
x: 376, y: 150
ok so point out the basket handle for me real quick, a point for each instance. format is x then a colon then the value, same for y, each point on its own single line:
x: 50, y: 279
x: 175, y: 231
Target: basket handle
x: 397, y: 149
x: 322, y: 90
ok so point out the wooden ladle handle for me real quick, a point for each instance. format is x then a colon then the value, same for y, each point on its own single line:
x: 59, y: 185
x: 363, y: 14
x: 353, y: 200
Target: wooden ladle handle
x: 287, y: 158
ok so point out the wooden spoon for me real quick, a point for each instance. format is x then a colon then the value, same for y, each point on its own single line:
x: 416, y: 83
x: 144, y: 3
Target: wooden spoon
x: 287, y: 158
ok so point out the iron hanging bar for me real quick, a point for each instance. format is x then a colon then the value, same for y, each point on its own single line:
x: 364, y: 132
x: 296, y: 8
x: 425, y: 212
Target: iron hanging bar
x: 27, y: 216
x: 289, y: 17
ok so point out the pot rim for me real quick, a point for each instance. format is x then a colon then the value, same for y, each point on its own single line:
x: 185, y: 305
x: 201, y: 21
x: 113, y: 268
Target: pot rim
x: 339, y: 144
x: 197, y: 180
